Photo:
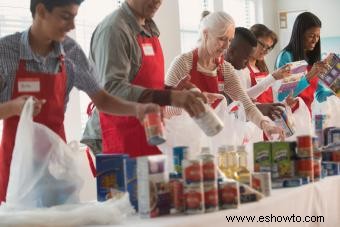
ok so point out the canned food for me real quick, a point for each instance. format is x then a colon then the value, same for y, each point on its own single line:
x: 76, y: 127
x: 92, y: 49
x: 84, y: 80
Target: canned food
x: 228, y: 194
x: 192, y: 171
x: 261, y: 182
x: 210, y: 197
x: 304, y: 167
x: 304, y: 141
x: 209, y: 122
x: 304, y: 146
x: 208, y: 167
x: 194, y: 200
x: 176, y: 193
x: 154, y: 130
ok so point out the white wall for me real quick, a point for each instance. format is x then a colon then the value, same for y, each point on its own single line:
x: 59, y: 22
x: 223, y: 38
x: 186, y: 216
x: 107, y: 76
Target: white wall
x: 167, y: 19
x: 326, y: 10
x: 266, y: 13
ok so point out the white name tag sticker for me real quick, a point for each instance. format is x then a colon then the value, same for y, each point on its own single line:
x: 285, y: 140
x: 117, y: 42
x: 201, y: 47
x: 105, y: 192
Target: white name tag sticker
x: 29, y: 85
x: 221, y: 86
x: 148, y: 49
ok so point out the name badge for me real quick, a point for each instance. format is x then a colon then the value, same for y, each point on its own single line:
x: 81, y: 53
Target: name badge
x: 29, y: 85
x: 148, y: 49
x: 220, y: 86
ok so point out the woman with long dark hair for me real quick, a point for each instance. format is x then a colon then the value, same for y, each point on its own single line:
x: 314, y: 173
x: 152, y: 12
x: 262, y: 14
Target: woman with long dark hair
x: 304, y: 44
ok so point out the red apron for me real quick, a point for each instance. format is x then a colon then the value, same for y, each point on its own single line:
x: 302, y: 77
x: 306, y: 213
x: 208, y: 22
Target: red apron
x: 212, y: 84
x: 126, y: 134
x: 308, y: 94
x: 52, y: 88
x: 255, y: 78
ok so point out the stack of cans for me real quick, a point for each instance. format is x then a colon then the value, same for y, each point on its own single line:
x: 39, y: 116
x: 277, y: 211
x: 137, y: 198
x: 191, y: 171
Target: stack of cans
x: 193, y: 186
x: 209, y: 170
x: 304, y: 162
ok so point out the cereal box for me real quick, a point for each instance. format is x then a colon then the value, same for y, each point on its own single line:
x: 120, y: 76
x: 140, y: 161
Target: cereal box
x: 116, y: 173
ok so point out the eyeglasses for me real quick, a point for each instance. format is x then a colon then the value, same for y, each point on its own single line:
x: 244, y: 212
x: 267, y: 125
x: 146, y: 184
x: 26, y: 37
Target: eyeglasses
x: 264, y: 46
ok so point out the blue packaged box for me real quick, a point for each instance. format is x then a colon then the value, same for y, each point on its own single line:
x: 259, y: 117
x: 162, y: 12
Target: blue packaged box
x: 331, y: 168
x: 116, y: 173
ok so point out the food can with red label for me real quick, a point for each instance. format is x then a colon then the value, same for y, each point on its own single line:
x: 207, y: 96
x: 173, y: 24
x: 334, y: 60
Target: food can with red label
x: 154, y: 128
x: 194, y: 198
x: 304, y: 146
x: 192, y: 171
x: 304, y: 167
x: 210, y: 196
x: 208, y: 167
x: 176, y: 193
x: 228, y: 194
x: 261, y: 181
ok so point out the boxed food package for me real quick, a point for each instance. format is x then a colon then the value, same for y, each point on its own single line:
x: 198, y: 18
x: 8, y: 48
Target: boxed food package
x: 116, y: 173
x: 153, y: 187
x: 286, y: 122
x: 262, y: 157
x: 332, y: 77
x: 283, y: 156
x: 288, y: 84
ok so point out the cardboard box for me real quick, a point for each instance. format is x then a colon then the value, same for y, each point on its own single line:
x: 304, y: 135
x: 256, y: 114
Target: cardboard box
x: 116, y: 173
x: 153, y: 186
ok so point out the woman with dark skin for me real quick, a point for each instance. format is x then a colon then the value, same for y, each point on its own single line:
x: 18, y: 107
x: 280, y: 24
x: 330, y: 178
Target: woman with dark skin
x: 304, y: 44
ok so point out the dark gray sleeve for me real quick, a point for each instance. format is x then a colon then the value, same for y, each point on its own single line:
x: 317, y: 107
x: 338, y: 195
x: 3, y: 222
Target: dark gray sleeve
x: 111, y: 52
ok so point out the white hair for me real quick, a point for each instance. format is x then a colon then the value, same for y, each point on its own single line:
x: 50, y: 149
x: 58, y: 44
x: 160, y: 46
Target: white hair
x: 215, y: 23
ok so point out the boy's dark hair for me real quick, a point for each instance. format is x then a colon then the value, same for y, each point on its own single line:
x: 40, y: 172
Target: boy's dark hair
x: 51, y: 4
x: 245, y: 34
x: 303, y: 22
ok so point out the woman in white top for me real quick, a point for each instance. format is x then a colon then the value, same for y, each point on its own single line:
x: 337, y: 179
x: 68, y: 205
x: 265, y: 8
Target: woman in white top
x: 210, y: 73
x: 256, y: 76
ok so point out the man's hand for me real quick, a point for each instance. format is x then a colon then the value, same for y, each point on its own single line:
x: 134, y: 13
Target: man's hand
x: 143, y: 109
x: 271, y: 110
x: 191, y: 101
x: 18, y: 103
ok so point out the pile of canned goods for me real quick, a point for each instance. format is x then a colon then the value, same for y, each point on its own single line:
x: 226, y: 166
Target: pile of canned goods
x: 195, y: 187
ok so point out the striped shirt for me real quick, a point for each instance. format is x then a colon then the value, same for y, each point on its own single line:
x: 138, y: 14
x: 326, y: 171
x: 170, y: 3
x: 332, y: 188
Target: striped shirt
x: 80, y: 73
x: 182, y: 66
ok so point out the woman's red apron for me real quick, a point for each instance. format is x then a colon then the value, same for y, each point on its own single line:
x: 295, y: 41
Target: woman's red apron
x: 308, y: 94
x: 255, y: 78
x: 126, y: 134
x: 51, y: 87
x: 211, y: 84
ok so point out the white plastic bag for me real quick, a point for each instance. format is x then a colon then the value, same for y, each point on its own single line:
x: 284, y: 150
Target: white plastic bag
x: 44, y: 170
x: 302, y: 121
x: 110, y: 212
x: 332, y: 109
x: 181, y: 130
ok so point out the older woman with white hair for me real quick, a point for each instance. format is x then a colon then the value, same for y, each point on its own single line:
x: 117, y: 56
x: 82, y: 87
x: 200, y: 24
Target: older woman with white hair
x: 206, y: 69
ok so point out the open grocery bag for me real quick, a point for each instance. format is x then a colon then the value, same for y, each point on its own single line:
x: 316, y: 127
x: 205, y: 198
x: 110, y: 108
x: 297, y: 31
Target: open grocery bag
x: 44, y: 182
x: 181, y: 130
